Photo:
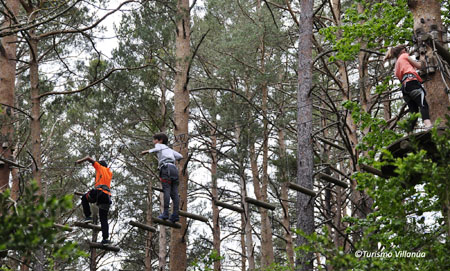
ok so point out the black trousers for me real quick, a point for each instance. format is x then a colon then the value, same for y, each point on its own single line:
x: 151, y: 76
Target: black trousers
x: 416, y: 103
x: 103, y: 201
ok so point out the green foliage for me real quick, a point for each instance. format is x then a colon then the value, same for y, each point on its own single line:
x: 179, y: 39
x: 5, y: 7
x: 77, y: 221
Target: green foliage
x: 406, y: 218
x: 379, y: 136
x: 205, y: 262
x: 28, y: 225
x: 387, y: 21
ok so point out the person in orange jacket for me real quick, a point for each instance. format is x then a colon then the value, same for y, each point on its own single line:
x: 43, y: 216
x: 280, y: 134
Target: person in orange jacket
x: 101, y: 194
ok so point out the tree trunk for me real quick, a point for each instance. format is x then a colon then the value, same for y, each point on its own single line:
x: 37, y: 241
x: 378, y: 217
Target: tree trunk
x: 162, y: 237
x: 8, y: 45
x: 245, y: 217
x: 215, y: 194
x: 427, y: 17
x: 267, y: 256
x: 284, y: 201
x: 178, y: 257
x: 243, y: 248
x: 305, y: 162
x: 148, y: 221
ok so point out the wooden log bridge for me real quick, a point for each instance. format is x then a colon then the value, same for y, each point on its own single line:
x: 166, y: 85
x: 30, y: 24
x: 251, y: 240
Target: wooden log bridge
x: 331, y: 179
x: 63, y: 227
x: 193, y: 216
x: 259, y: 203
x: 228, y: 206
x: 301, y: 189
x: 142, y: 226
x: 373, y: 170
x: 87, y: 226
x: 104, y: 247
x: 166, y: 223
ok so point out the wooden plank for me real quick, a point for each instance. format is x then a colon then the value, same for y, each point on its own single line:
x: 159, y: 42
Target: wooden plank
x: 142, y: 226
x: 104, y: 247
x: 373, y: 170
x: 63, y: 227
x: 229, y: 206
x: 260, y: 203
x: 87, y: 226
x: 330, y: 179
x: 166, y: 223
x: 301, y: 189
x: 193, y: 216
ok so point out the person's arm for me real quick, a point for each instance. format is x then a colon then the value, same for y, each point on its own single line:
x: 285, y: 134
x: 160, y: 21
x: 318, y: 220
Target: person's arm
x: 416, y: 64
x: 155, y: 149
x: 177, y: 155
x: 87, y: 158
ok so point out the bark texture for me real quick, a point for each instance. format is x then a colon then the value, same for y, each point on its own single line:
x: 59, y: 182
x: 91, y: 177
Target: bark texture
x: 8, y: 46
x: 305, y: 163
x: 178, y: 242
x: 427, y: 18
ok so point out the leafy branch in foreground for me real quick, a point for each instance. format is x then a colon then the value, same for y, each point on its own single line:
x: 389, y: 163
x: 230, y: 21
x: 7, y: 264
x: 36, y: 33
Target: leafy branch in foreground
x: 28, y: 224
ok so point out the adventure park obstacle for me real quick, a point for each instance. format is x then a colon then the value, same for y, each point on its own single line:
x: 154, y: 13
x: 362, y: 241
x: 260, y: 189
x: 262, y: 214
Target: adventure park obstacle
x: 301, y: 189
x: 63, y: 227
x: 331, y: 179
x: 183, y: 213
x: 193, y: 216
x: 411, y: 143
x: 259, y: 203
x: 104, y: 247
x: 95, y: 244
x: 166, y: 223
x: 142, y: 226
x: 87, y: 226
x: 228, y: 206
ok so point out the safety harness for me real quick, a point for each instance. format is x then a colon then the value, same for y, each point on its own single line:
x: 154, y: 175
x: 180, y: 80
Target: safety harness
x: 166, y: 164
x: 413, y: 94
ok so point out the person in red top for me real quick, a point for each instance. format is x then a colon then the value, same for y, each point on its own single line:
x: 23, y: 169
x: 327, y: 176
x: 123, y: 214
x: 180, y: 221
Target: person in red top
x: 412, y: 89
x: 100, y: 195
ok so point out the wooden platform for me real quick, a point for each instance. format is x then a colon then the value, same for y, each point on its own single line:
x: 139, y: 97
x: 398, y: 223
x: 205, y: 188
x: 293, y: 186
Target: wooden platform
x: 403, y: 146
x: 229, y: 206
x: 166, y: 223
x: 104, y: 247
x: 142, y: 226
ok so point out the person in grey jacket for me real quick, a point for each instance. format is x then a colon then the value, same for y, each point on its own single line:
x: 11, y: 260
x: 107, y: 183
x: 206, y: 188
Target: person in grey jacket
x: 168, y: 174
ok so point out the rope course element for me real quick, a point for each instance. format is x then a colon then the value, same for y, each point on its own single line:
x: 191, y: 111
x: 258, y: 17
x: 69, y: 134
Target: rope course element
x: 301, y: 189
x: 331, y: 179
x: 63, y: 227
x: 259, y: 203
x: 193, y: 216
x: 87, y: 226
x: 102, y: 246
x: 228, y: 206
x: 166, y: 223
x: 373, y: 170
x: 142, y: 226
